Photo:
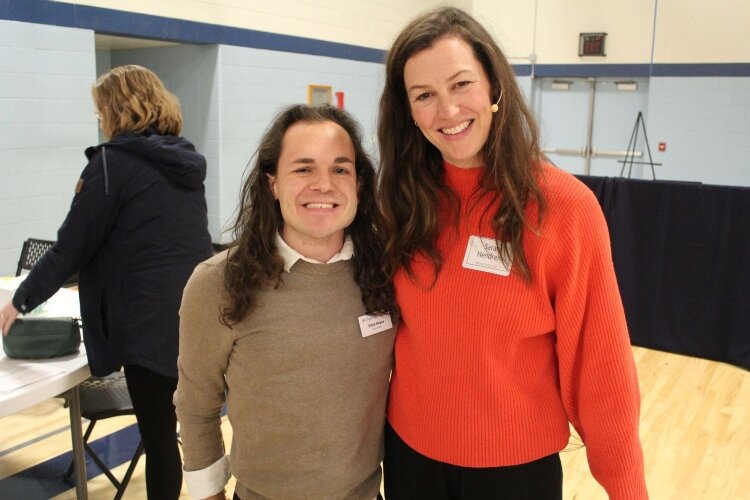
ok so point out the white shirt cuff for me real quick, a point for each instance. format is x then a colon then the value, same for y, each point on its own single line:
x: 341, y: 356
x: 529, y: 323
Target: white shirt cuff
x: 209, y: 481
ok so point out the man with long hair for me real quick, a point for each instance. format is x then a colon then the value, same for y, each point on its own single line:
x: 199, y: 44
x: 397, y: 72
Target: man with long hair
x: 290, y: 325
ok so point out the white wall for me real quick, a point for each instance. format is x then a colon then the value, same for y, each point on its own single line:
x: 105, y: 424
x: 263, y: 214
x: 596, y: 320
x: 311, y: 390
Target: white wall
x: 687, y: 31
x: 512, y: 24
x: 557, y: 25
x: 46, y: 121
x: 702, y: 31
x: 369, y: 23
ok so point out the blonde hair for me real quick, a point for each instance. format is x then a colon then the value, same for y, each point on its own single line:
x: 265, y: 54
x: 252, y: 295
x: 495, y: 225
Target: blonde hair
x: 132, y: 98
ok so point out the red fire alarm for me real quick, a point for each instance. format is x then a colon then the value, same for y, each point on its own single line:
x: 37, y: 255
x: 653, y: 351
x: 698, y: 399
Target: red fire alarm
x: 662, y: 146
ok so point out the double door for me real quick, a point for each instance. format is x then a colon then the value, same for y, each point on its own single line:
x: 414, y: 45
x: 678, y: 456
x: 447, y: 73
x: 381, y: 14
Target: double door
x: 586, y: 123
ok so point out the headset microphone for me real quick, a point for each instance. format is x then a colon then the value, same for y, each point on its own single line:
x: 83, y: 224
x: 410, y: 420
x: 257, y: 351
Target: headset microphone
x: 494, y: 108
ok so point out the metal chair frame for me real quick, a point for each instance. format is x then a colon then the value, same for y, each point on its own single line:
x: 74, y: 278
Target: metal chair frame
x: 100, y: 398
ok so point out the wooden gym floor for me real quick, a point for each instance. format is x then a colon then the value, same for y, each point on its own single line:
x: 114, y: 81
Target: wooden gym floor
x: 695, y: 430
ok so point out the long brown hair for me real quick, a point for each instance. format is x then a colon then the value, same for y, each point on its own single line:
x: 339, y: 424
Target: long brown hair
x: 411, y: 182
x: 132, y: 98
x: 253, y: 260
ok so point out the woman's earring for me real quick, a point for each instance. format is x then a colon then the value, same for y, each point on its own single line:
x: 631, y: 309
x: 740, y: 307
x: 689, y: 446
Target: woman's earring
x: 495, y: 106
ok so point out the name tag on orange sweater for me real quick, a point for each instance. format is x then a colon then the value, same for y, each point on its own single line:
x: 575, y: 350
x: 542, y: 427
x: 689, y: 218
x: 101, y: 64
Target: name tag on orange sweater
x: 482, y: 255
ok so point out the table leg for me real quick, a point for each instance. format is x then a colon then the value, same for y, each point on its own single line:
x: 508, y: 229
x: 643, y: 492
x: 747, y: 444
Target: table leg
x: 79, y: 456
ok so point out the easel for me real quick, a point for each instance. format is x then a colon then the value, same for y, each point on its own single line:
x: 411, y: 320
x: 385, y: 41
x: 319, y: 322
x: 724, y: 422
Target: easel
x: 630, y: 153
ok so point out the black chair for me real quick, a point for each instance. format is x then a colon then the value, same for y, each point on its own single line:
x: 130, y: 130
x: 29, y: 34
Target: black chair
x: 100, y: 398
x: 33, y: 250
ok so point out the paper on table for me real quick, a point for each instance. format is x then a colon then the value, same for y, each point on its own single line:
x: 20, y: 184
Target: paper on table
x: 8, y: 286
x: 17, y: 373
x: 63, y: 303
x: 13, y: 378
x: 11, y: 282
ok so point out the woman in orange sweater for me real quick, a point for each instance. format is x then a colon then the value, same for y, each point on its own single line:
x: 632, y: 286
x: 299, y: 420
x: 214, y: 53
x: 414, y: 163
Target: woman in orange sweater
x: 511, y: 320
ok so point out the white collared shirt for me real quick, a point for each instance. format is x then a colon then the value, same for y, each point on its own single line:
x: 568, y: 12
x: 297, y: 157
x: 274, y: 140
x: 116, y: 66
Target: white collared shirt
x: 211, y: 480
x: 291, y: 256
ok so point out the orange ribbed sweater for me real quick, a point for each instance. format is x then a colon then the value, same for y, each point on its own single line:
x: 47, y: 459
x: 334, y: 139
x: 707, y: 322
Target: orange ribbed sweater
x: 490, y: 369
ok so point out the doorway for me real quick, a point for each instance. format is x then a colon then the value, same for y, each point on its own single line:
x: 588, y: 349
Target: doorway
x: 586, y: 123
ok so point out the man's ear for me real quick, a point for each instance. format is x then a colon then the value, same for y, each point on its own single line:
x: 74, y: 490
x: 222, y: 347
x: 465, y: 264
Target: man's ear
x: 272, y: 185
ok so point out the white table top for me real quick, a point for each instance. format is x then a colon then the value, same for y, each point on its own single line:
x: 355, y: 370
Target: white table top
x: 24, y: 383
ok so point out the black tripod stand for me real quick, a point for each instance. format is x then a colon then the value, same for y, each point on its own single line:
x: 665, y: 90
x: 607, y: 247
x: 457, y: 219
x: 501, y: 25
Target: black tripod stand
x: 630, y: 153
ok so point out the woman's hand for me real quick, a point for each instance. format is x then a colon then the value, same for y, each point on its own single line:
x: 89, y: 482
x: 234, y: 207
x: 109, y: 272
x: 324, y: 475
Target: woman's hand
x: 8, y: 315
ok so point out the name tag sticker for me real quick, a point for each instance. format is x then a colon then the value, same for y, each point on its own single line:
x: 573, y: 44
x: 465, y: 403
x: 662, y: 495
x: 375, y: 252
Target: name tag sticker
x: 370, y: 324
x: 482, y: 255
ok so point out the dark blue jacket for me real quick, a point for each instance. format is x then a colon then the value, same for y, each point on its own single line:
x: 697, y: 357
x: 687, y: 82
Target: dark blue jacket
x: 137, y: 227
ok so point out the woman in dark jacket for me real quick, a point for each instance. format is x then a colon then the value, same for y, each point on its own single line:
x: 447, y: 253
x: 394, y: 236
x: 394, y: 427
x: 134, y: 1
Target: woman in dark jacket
x: 136, y: 228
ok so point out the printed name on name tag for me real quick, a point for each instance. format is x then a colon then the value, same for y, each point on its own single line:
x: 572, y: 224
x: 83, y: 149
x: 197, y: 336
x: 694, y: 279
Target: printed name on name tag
x: 370, y: 324
x: 482, y: 255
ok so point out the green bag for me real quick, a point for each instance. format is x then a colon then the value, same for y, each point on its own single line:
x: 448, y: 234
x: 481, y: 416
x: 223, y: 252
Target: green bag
x: 42, y: 338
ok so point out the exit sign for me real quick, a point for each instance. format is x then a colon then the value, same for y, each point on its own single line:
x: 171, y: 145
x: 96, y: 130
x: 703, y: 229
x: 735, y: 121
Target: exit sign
x: 591, y: 44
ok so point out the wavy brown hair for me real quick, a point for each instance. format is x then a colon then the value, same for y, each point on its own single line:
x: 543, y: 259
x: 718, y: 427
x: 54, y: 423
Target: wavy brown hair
x: 411, y: 182
x: 253, y: 261
x: 132, y: 98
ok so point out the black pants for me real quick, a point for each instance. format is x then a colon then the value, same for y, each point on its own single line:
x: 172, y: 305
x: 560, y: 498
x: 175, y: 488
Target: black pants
x: 236, y: 497
x: 411, y: 475
x: 151, y: 394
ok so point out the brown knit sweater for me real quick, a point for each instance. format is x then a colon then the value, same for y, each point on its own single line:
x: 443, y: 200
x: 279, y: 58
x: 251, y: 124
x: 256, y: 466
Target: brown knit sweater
x: 305, y: 391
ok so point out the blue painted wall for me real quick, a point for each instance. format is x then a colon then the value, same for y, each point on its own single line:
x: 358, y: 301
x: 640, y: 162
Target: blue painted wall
x: 228, y: 93
x: 231, y: 83
x: 705, y: 122
x: 46, y: 121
